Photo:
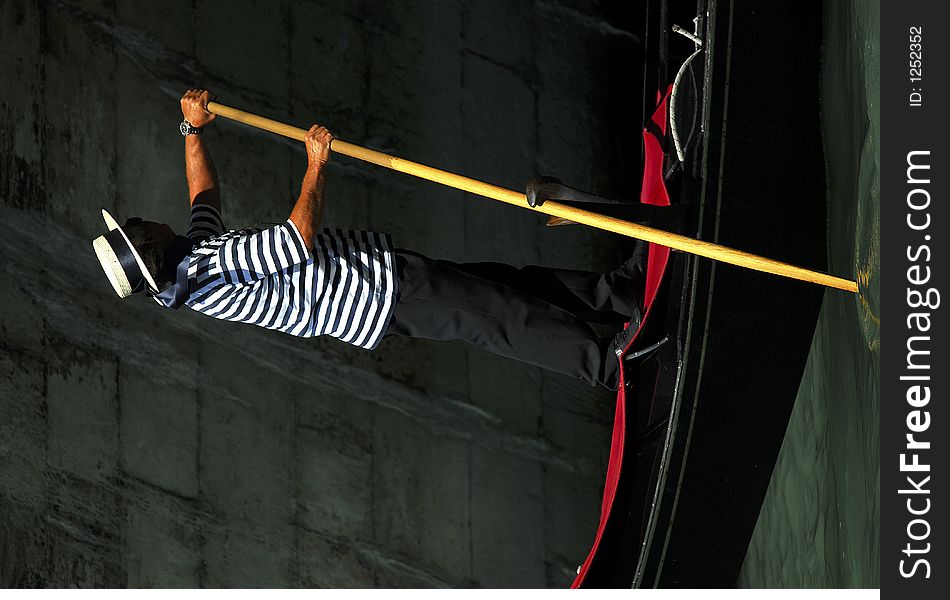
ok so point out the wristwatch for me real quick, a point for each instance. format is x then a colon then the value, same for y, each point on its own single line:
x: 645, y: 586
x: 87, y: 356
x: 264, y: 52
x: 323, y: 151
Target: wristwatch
x: 188, y: 129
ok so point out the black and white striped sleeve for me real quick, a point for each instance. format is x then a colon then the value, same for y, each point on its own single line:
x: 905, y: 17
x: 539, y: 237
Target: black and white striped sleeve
x: 250, y: 257
x: 205, y: 222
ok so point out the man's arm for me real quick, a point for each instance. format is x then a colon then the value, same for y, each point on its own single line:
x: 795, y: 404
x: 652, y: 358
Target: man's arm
x: 307, y: 214
x: 199, y: 169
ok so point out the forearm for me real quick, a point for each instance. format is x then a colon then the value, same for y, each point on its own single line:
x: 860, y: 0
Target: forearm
x: 201, y: 174
x: 307, y: 214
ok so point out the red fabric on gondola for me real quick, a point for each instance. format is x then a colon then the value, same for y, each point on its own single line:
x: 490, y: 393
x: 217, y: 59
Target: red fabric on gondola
x: 652, y: 191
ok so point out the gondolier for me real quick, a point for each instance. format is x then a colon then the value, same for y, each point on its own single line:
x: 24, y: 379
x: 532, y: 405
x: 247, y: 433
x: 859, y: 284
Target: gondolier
x: 298, y: 278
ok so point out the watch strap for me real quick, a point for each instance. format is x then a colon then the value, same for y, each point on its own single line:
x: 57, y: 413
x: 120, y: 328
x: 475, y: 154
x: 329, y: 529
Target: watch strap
x: 187, y: 128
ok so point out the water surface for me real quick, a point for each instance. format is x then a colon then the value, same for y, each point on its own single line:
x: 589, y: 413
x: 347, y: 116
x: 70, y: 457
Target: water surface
x: 819, y: 524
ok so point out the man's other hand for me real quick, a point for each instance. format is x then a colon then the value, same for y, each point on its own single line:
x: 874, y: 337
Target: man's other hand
x: 194, y: 107
x: 318, y: 145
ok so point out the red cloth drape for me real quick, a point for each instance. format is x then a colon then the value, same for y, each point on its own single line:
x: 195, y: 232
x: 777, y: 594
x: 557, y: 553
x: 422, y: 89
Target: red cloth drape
x: 652, y: 191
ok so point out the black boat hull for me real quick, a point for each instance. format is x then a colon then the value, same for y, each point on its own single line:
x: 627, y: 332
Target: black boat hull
x: 707, y: 414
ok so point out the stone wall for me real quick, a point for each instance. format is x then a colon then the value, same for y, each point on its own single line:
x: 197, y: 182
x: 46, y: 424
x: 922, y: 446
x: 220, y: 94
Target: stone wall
x: 145, y: 447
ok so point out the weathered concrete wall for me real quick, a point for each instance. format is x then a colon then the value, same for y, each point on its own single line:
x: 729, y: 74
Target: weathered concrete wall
x: 144, y: 447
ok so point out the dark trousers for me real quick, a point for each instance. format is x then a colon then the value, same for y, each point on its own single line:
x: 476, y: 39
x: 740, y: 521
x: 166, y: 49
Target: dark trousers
x: 538, y: 315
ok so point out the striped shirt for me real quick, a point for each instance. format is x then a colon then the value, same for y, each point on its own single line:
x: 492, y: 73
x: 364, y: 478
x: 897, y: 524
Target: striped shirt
x: 345, y: 288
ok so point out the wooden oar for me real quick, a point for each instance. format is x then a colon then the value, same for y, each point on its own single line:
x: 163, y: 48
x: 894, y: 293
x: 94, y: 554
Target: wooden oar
x: 649, y: 234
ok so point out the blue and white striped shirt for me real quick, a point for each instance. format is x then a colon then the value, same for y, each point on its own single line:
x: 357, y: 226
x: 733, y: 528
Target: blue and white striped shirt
x: 345, y: 288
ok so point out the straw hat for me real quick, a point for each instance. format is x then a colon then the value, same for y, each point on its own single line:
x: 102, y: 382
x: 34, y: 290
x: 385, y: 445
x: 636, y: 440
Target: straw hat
x: 121, y: 262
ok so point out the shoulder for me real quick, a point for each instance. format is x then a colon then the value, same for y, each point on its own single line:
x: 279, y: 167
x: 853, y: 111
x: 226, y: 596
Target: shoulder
x: 367, y: 239
x: 205, y: 223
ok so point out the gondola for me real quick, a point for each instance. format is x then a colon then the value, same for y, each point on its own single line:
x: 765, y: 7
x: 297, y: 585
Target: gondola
x: 711, y: 375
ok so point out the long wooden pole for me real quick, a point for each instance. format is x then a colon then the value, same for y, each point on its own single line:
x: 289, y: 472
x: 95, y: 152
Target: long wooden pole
x: 649, y: 234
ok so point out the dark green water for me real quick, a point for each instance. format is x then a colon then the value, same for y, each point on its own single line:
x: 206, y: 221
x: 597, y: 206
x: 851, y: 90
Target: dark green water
x: 819, y: 525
